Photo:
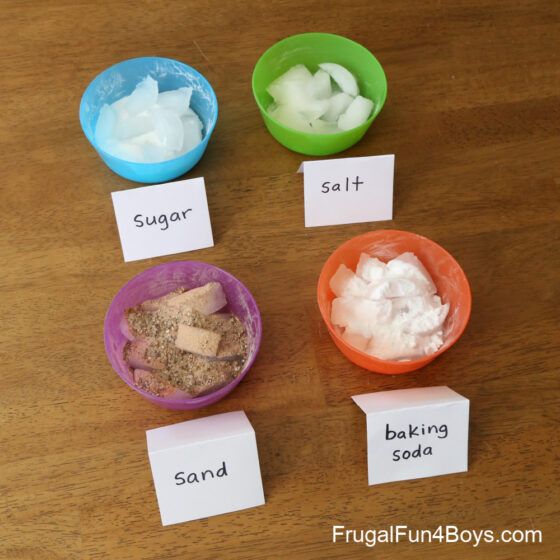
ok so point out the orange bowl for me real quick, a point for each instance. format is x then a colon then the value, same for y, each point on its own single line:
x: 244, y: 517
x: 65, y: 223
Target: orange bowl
x: 448, y: 276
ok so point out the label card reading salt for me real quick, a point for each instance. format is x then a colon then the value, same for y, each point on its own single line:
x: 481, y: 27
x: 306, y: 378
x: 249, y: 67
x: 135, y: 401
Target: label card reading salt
x: 163, y: 219
x: 348, y: 190
x: 205, y: 467
x: 415, y: 433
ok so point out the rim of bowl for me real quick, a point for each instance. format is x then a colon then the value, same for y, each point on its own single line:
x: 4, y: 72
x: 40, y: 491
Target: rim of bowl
x: 189, y: 68
x: 418, y: 361
x: 222, y: 391
x: 313, y: 134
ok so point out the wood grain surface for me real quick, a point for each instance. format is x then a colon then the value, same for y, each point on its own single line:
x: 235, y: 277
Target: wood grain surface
x: 473, y: 116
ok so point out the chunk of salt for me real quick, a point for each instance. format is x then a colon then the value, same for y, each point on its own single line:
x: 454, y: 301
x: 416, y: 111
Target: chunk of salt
x: 342, y: 76
x: 298, y: 75
x: 356, y: 114
x: 319, y: 86
x: 338, y: 103
x: 291, y: 118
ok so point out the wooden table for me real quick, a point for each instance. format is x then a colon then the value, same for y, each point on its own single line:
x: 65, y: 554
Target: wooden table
x: 473, y: 118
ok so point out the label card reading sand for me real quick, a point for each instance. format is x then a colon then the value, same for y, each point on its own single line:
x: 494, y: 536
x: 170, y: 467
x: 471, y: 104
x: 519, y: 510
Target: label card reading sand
x: 415, y: 433
x: 205, y: 467
x: 163, y: 219
x: 348, y: 191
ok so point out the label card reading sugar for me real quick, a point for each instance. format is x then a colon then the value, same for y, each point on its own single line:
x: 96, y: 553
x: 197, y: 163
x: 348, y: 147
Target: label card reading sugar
x: 205, y: 467
x: 163, y: 219
x: 415, y: 433
x: 348, y: 190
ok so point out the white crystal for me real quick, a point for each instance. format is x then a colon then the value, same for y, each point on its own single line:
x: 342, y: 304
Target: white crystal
x: 291, y: 118
x: 168, y: 127
x: 148, y: 127
x: 360, y: 315
x: 356, y: 340
x: 190, y: 114
x: 154, y: 153
x: 370, y: 268
x: 338, y: 103
x: 394, y: 288
x: 314, y: 108
x: 391, y: 344
x: 126, y: 150
x: 428, y: 322
x: 407, y: 265
x: 322, y: 127
x: 314, y: 103
x: 343, y: 77
x: 192, y: 134
x: 177, y: 100
x: 142, y: 98
x: 150, y: 138
x: 298, y: 75
x: 105, y: 125
x: 293, y: 95
x: 394, y: 305
x: 133, y: 126
x: 356, y: 114
x: 319, y: 87
x: 345, y: 283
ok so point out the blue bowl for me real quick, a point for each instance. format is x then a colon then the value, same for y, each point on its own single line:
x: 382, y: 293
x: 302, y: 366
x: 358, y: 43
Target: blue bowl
x: 120, y: 80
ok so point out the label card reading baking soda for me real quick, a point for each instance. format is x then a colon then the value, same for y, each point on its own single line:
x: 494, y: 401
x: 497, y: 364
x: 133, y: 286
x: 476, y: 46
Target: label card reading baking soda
x: 163, y: 219
x: 205, y: 467
x: 348, y: 190
x: 415, y: 433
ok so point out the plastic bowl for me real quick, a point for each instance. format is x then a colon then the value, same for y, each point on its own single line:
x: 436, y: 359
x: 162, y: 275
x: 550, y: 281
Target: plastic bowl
x: 160, y: 280
x: 120, y: 80
x: 312, y: 49
x: 448, y: 276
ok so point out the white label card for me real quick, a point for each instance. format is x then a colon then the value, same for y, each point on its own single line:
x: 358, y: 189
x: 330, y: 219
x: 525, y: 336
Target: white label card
x: 415, y: 433
x: 348, y: 190
x: 163, y: 219
x: 205, y: 467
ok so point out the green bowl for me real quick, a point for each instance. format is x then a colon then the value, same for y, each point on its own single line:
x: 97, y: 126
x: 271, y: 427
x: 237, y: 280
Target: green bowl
x: 312, y: 49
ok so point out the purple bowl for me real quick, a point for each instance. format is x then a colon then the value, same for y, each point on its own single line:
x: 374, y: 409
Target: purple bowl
x: 160, y: 280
